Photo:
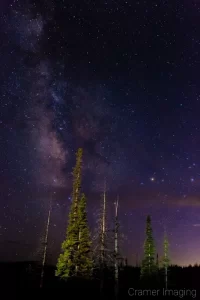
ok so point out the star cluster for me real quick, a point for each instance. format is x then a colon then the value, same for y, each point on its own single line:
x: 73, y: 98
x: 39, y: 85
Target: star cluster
x: 120, y: 80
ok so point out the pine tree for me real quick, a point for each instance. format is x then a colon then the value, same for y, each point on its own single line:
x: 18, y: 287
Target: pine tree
x: 67, y: 266
x: 83, y: 255
x: 166, y: 260
x: 77, y: 182
x: 148, y: 264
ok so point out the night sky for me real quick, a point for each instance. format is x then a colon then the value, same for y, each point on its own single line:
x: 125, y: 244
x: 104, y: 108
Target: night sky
x: 120, y: 79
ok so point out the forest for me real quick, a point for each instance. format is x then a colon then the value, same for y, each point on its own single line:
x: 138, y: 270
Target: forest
x: 86, y: 267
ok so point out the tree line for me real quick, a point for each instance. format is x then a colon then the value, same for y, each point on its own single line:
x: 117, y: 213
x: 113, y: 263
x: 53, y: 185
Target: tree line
x: 77, y: 260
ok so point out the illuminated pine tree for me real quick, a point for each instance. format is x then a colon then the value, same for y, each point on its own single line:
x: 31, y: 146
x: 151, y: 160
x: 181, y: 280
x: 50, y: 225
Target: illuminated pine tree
x: 166, y: 259
x: 77, y: 182
x: 67, y: 266
x: 148, y: 264
x: 83, y: 254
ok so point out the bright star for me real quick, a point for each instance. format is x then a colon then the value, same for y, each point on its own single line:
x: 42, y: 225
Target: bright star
x: 152, y: 179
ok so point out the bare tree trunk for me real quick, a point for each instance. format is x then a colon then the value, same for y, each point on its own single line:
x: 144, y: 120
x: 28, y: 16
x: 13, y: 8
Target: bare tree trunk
x: 103, y: 226
x: 116, y: 250
x: 102, y: 246
x: 45, y: 246
x: 166, y: 259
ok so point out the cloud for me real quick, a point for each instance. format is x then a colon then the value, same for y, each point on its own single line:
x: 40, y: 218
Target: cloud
x: 196, y: 225
x: 136, y: 195
x: 189, y: 200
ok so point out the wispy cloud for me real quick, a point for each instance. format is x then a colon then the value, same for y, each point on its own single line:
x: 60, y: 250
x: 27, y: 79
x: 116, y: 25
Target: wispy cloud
x: 196, y: 225
x: 190, y: 200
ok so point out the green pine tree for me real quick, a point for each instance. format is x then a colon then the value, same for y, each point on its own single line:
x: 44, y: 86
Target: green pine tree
x: 67, y: 265
x: 148, y: 264
x: 83, y: 255
x: 77, y: 182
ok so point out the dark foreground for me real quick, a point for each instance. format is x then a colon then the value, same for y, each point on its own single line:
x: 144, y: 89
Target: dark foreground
x: 184, y: 283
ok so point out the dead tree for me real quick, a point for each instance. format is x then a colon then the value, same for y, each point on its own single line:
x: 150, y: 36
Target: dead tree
x: 102, y: 241
x: 166, y: 259
x: 45, y: 245
x: 116, y: 252
x: 103, y: 229
x: 102, y: 249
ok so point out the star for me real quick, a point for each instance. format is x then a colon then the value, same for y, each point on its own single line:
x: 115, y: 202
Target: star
x: 55, y: 99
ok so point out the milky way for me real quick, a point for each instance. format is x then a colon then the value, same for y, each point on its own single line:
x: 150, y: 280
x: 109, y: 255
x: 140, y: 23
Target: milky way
x: 48, y: 148
x: 119, y: 80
